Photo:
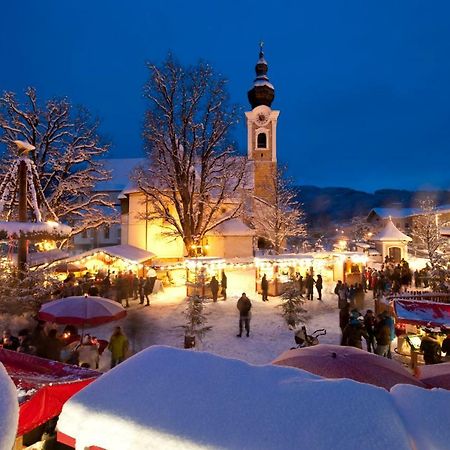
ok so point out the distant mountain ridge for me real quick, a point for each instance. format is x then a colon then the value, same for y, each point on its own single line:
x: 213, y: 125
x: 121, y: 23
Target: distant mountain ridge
x: 338, y: 204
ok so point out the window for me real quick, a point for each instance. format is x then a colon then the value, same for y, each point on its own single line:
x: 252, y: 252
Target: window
x: 262, y: 140
x: 106, y: 231
x: 84, y: 234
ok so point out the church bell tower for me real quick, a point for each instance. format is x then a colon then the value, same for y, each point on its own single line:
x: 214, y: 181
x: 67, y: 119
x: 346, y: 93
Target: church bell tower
x: 261, y: 133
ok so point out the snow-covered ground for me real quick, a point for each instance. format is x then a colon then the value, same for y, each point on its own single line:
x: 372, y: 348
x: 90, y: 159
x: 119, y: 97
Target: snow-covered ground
x: 160, y: 323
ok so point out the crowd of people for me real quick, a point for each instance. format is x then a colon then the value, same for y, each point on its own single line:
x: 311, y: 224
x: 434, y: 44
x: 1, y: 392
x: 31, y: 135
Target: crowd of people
x: 121, y: 287
x: 67, y: 346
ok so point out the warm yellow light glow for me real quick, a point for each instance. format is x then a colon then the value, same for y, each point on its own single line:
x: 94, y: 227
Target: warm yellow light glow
x: 52, y: 223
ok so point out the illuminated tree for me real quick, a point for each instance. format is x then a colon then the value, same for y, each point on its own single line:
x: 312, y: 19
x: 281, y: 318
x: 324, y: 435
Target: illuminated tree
x: 193, y: 176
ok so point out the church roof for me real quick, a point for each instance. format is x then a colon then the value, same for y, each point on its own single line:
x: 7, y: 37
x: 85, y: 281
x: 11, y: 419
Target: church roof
x: 262, y: 91
x: 391, y: 233
x: 233, y: 227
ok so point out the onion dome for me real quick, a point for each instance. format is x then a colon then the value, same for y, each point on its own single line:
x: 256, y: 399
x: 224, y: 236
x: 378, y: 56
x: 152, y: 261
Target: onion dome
x: 262, y: 92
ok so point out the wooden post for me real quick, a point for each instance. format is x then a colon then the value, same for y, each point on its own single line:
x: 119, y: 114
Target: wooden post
x: 22, y: 250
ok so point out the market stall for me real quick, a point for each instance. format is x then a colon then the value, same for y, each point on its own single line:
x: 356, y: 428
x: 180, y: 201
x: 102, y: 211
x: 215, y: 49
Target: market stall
x: 413, y: 320
x: 199, y: 272
x: 113, y: 259
x: 43, y: 386
x: 281, y: 271
x: 349, y: 267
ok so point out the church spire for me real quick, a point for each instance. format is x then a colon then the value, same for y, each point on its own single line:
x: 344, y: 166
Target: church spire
x: 262, y: 92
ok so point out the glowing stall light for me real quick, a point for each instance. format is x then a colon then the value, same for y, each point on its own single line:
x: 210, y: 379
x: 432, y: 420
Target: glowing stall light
x: 359, y: 259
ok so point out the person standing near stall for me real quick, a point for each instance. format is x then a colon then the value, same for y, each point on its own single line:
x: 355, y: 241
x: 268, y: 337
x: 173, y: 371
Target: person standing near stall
x: 264, y: 288
x: 118, y: 346
x: 431, y: 348
x: 214, y: 286
x: 224, y: 285
x: 319, y: 286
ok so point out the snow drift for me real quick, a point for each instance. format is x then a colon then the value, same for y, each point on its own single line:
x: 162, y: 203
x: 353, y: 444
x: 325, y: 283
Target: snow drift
x: 169, y: 398
x: 10, y: 410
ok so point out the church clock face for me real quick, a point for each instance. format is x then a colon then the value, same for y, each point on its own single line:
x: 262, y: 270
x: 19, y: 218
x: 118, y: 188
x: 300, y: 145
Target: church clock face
x: 261, y: 118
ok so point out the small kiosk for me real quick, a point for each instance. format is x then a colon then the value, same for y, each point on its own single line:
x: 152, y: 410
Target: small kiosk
x: 392, y: 243
x: 199, y: 272
x: 281, y: 271
x: 349, y: 267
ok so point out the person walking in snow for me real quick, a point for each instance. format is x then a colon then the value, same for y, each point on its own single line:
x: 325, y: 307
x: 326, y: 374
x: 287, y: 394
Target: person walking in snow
x: 264, y: 288
x: 244, y: 305
x: 214, y: 286
x: 319, y: 286
x: 118, y: 346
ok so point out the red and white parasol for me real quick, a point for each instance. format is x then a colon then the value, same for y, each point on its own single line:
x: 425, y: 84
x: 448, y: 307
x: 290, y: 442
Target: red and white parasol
x: 82, y: 311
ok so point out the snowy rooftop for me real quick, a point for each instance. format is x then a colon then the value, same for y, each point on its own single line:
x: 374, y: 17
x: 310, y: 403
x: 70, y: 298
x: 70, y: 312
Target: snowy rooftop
x: 133, y: 254
x: 391, y: 233
x: 179, y: 399
x: 121, y: 169
x: 233, y: 227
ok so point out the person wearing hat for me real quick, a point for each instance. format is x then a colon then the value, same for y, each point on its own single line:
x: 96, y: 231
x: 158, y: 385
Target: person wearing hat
x: 431, y: 348
x: 354, y: 331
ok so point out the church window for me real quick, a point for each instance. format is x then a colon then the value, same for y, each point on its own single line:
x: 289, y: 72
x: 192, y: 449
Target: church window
x: 262, y: 140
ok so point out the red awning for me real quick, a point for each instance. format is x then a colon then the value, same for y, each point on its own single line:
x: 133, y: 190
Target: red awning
x: 43, y: 386
x: 423, y: 313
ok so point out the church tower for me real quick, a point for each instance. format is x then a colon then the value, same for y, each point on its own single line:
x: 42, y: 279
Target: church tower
x: 261, y: 133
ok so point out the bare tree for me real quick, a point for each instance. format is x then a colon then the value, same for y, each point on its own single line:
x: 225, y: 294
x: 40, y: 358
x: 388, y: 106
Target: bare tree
x: 193, y: 177
x: 360, y: 228
x: 283, y: 218
x: 67, y: 154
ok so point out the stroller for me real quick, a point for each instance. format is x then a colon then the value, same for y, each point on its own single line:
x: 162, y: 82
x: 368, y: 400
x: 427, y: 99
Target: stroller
x: 303, y: 339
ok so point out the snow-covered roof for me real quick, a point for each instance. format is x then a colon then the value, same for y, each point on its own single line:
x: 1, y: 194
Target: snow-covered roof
x: 163, y: 405
x: 391, y: 233
x: 232, y: 227
x: 402, y: 213
x: 38, y: 258
x: 30, y: 228
x: 121, y: 169
x: 124, y: 251
x: 285, y: 256
x: 10, y: 410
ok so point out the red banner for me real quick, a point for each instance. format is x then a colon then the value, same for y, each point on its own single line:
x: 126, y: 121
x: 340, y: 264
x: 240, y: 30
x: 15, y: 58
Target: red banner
x: 423, y: 313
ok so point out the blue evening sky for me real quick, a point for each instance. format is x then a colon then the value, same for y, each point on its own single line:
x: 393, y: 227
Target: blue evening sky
x: 363, y: 86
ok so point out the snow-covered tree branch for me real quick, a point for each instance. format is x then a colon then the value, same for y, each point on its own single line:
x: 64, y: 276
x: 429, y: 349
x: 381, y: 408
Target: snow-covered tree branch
x: 283, y: 218
x: 68, y: 148
x: 193, y: 177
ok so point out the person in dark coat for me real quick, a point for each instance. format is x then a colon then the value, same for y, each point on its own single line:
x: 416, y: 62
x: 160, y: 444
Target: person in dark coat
x: 244, y: 305
x: 9, y: 341
x: 214, y: 286
x: 309, y: 282
x: 383, y: 336
x: 224, y: 285
x: 344, y: 317
x: 38, y: 338
x: 354, y: 332
x: 25, y: 343
x: 264, y: 288
x: 148, y: 289
x: 141, y: 290
x: 53, y: 346
x: 431, y: 349
x: 369, y: 323
x: 319, y: 286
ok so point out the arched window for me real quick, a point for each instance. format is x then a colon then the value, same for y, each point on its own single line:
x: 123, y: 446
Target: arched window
x: 262, y: 140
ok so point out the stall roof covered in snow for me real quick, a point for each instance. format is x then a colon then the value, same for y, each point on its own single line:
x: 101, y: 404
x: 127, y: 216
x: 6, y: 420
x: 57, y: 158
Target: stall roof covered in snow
x: 233, y: 227
x: 391, y: 233
x: 10, y: 410
x: 123, y: 251
x: 178, y: 399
